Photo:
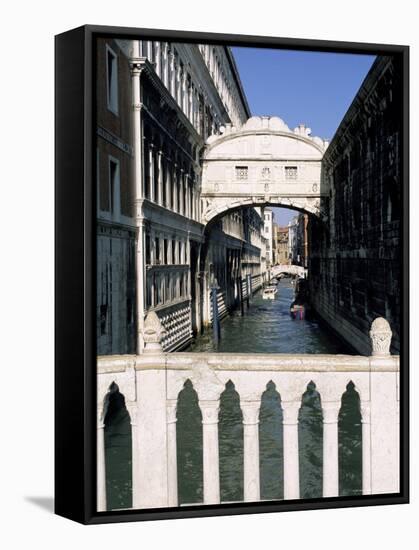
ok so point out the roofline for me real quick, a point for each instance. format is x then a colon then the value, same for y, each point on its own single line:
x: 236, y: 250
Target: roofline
x: 236, y: 75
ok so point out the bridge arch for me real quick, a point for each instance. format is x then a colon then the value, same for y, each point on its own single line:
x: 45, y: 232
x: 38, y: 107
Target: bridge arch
x: 263, y: 163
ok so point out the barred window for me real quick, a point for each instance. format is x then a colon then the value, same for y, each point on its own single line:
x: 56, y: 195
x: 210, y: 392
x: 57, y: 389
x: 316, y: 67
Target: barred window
x: 241, y: 172
x: 290, y: 172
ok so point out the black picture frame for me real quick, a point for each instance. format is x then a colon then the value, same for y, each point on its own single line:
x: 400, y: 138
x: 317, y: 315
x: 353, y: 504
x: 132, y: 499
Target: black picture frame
x: 75, y: 352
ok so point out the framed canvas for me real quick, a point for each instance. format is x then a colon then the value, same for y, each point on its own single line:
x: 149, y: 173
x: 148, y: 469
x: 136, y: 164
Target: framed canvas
x: 231, y: 290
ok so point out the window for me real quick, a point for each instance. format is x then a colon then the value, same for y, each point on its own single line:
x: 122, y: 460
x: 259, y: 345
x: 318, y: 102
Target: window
x: 290, y: 173
x: 241, y: 172
x: 112, y: 80
x: 114, y: 187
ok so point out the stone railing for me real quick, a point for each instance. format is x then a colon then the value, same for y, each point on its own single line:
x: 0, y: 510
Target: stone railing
x: 152, y: 381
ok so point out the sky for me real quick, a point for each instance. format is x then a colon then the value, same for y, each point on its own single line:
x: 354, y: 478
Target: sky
x: 313, y: 88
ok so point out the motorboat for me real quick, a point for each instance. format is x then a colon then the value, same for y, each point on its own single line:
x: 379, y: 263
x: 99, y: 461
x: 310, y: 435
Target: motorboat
x: 269, y: 293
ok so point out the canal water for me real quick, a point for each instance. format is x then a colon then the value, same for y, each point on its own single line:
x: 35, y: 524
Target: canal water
x: 265, y: 327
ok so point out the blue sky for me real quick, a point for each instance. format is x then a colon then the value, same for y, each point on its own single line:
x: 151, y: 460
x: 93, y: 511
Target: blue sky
x: 313, y: 88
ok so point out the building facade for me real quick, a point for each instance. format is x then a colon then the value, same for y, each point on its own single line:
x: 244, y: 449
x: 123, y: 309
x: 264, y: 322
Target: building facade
x: 281, y: 244
x: 355, y: 260
x: 157, y: 103
x: 268, y: 233
x: 298, y: 248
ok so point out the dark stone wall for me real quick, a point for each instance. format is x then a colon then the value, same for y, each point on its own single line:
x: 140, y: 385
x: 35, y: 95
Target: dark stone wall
x: 355, y: 256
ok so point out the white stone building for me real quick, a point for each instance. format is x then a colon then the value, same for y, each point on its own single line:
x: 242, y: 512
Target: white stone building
x: 157, y: 104
x: 268, y: 233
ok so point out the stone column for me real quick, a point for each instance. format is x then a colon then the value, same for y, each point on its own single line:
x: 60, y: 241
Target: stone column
x: 101, y: 465
x: 167, y: 183
x: 172, y: 74
x: 165, y: 64
x: 151, y: 170
x: 250, y: 411
x: 187, y: 204
x: 172, y: 453
x: 184, y: 90
x: 190, y: 100
x: 330, y: 448
x: 209, y: 409
x: 181, y: 195
x: 160, y: 178
x: 157, y: 46
x: 366, y: 447
x: 175, y: 189
x: 178, y: 86
x: 138, y: 159
x: 193, y: 201
x: 291, y: 457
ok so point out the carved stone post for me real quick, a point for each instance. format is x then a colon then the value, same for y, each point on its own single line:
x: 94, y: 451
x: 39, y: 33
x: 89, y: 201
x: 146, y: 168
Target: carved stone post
x: 250, y: 411
x: 209, y: 409
x: 380, y: 335
x: 101, y: 465
x: 291, y: 457
x: 330, y: 448
x: 152, y: 428
x: 385, y: 434
x: 153, y: 334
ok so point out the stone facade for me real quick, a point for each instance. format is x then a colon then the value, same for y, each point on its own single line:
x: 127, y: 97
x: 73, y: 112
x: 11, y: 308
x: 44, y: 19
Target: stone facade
x: 281, y: 245
x: 157, y: 103
x: 355, y: 257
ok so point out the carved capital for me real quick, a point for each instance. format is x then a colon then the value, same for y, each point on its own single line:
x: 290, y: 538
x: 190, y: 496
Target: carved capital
x: 250, y: 410
x: 290, y: 411
x: 209, y: 409
x: 380, y: 335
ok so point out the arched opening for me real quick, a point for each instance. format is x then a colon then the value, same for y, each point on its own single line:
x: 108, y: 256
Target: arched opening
x: 350, y: 443
x: 271, y: 448
x: 189, y: 446
x: 230, y: 438
x: 310, y: 442
x: 118, y: 450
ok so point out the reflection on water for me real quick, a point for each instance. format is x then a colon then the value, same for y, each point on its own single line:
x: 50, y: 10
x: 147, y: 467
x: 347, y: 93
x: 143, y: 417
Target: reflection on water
x: 265, y: 327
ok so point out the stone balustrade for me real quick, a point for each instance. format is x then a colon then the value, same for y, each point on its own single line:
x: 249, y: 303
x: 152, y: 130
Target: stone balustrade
x: 151, y: 384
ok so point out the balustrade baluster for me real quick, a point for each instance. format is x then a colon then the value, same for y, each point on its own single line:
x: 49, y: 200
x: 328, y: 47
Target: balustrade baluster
x: 291, y: 457
x: 330, y: 448
x: 250, y: 411
x: 210, y: 409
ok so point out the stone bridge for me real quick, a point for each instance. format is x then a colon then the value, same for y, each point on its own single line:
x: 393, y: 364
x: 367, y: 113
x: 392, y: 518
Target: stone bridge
x: 296, y: 270
x: 263, y: 162
x: 151, y: 383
